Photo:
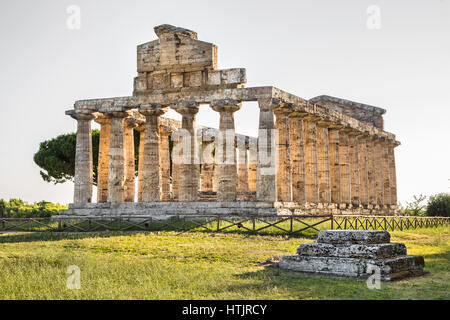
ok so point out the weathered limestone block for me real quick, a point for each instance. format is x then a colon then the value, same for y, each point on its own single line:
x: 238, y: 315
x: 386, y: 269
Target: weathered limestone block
x: 177, y: 48
x: 353, y: 254
x: 368, y: 251
x: 353, y: 237
x: 360, y: 111
x: 390, y: 269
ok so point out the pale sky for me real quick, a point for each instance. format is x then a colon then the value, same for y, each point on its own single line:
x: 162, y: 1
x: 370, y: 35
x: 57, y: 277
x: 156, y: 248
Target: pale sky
x: 307, y: 48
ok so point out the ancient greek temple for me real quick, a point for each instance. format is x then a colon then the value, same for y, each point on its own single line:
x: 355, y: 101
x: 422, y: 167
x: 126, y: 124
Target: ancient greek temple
x: 325, y: 155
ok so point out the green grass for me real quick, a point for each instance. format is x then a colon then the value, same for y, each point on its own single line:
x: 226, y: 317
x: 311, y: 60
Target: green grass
x: 197, y: 265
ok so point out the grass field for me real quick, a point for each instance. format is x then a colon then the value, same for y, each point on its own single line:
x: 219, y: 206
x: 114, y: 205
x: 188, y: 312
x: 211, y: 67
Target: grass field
x: 197, y: 265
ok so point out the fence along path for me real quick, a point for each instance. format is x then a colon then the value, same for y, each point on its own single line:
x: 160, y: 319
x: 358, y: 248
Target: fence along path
x: 288, y: 224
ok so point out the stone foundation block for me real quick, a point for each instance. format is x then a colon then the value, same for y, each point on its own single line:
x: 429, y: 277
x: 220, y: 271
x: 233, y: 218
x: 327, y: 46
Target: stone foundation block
x: 353, y: 237
x: 390, y: 269
x: 371, y: 251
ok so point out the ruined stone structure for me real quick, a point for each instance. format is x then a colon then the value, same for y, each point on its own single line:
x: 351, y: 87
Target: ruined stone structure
x: 359, y: 253
x: 318, y: 156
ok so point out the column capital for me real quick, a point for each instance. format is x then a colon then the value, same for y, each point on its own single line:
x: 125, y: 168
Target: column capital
x: 323, y: 123
x: 186, y: 107
x: 284, y: 108
x: 298, y: 114
x: 269, y: 103
x: 102, y: 118
x: 153, y: 109
x: 80, y: 114
x: 165, y: 130
x: 311, y: 117
x: 225, y: 105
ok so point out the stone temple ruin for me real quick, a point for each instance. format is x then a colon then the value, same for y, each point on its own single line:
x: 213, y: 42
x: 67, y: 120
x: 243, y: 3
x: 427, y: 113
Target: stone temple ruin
x: 320, y: 156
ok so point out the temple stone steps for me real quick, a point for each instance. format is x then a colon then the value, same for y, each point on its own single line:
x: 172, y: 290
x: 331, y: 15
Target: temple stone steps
x: 353, y: 253
x: 168, y: 209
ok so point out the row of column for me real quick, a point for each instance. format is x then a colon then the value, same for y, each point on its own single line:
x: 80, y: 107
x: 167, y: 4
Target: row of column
x: 116, y: 166
x: 299, y: 158
x: 322, y: 162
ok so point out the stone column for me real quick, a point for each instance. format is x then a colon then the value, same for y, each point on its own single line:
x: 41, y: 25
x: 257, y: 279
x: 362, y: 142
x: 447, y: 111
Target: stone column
x: 335, y: 164
x: 266, y: 188
x: 311, y: 165
x: 386, y: 175
x: 207, y: 166
x: 188, y: 184
x: 151, y: 190
x: 141, y: 161
x: 83, y: 158
x: 363, y: 175
x: 284, y: 186
x: 175, y: 172
x: 354, y: 167
x: 242, y: 183
x: 344, y: 159
x: 116, y: 166
x: 129, y: 187
x: 297, y: 146
x: 215, y: 177
x: 371, y: 178
x: 226, y: 153
x: 164, y: 162
x: 323, y: 160
x: 103, y: 155
x: 392, y: 172
x: 378, y: 150
x: 252, y: 166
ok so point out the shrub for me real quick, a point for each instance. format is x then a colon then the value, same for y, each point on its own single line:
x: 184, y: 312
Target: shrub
x: 439, y: 205
x: 416, y: 207
x: 17, y: 208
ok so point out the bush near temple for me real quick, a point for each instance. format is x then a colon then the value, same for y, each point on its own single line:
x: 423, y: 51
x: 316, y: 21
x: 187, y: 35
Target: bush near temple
x: 17, y: 208
x: 439, y: 205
